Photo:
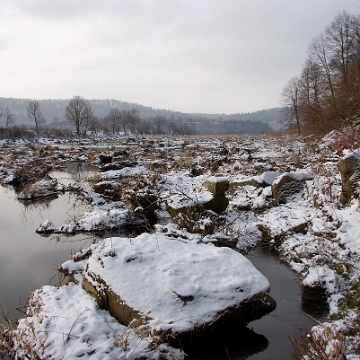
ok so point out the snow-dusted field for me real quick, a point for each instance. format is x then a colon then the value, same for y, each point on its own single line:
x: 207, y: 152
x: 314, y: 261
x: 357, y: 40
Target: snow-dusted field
x: 134, y: 185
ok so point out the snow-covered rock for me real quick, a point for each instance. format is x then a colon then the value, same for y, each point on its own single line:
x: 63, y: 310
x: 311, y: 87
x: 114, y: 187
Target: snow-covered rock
x: 217, y: 186
x: 172, y: 286
x: 287, y: 185
x: 66, y: 323
x: 263, y: 180
x: 313, y: 285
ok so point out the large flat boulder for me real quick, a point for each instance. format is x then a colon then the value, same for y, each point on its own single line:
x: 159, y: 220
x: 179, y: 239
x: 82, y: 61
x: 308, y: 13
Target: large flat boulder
x: 173, y: 286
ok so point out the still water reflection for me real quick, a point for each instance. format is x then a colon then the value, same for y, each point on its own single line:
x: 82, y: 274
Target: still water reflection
x: 73, y: 173
x: 28, y: 260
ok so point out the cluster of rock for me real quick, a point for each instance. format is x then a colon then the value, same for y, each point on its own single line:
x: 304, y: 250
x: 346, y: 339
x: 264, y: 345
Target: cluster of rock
x: 176, y: 287
x: 118, y: 270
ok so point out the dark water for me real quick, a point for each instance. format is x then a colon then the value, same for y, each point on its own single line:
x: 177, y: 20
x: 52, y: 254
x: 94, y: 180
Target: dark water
x: 289, y: 318
x: 29, y: 261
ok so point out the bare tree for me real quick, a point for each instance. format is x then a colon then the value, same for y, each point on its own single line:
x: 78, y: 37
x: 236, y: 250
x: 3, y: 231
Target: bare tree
x: 144, y: 126
x: 159, y: 122
x: 34, y: 114
x: 133, y: 119
x: 319, y: 53
x: 328, y: 95
x: 104, y: 122
x: 76, y: 111
x: 337, y: 53
x: 89, y: 116
x: 291, y: 103
x: 1, y: 112
x: 114, y: 118
x: 95, y: 125
x: 342, y: 38
x: 124, y: 119
x: 311, y: 81
x: 10, y: 119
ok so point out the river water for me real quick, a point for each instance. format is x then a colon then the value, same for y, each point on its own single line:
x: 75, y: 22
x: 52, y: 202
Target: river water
x: 29, y: 261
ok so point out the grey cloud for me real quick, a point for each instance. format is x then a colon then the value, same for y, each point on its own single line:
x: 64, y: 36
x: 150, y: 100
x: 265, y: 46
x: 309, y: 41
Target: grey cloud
x: 209, y: 55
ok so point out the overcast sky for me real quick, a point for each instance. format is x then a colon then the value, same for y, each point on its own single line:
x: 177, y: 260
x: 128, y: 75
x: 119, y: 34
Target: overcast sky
x: 209, y: 56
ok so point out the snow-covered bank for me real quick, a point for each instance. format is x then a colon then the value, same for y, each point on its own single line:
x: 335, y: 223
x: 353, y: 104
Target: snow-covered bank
x: 66, y: 323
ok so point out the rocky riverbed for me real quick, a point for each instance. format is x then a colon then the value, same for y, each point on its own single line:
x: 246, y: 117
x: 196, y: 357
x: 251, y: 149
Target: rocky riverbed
x: 192, y: 205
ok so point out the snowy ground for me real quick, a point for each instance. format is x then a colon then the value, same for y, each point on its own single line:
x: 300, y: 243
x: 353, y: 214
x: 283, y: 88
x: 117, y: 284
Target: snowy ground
x: 312, y: 232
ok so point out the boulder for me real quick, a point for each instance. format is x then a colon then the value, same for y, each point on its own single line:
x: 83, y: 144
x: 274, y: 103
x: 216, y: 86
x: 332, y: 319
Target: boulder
x: 217, y: 186
x: 110, y: 189
x: 105, y: 158
x: 264, y: 180
x: 193, y: 217
x: 287, y: 185
x: 316, y: 284
x: 186, y: 207
x: 117, y: 165
x: 349, y: 168
x: 175, y: 287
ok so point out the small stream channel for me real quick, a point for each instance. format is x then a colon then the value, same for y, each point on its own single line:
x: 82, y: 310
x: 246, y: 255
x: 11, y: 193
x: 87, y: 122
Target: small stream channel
x: 29, y: 261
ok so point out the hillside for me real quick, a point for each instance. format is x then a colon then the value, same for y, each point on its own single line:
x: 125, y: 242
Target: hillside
x: 54, y: 112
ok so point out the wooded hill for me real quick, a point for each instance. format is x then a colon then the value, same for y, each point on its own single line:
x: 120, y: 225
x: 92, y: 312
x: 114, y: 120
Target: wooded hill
x: 174, y: 122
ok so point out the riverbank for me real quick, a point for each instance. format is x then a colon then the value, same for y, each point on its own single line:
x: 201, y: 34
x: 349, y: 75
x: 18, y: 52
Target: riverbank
x: 133, y: 186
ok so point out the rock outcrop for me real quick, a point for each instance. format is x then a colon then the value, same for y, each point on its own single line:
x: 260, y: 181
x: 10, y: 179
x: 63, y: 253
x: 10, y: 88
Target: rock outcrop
x: 287, y: 185
x: 349, y: 168
x: 190, y: 210
x: 217, y: 186
x: 175, y: 287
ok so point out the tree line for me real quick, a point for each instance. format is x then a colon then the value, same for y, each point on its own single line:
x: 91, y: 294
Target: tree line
x: 79, y: 115
x: 326, y: 95
x: 33, y: 112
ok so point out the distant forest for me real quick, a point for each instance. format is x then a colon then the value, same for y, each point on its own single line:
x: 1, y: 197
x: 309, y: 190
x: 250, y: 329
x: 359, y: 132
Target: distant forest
x: 150, y: 120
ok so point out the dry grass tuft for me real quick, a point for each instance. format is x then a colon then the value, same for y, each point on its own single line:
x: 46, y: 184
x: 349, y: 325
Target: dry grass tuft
x: 324, y: 342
